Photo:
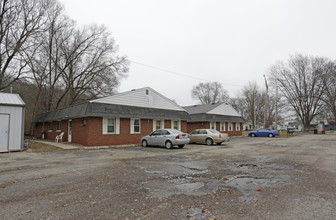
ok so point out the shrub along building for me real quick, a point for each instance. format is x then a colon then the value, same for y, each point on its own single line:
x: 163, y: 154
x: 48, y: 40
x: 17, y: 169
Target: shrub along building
x: 219, y: 116
x: 121, y: 119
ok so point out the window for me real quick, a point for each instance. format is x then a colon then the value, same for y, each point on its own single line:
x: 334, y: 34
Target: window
x: 111, y: 125
x: 58, y: 125
x: 230, y: 126
x: 158, y: 124
x: 237, y: 126
x: 135, y: 126
x: 176, y: 125
x: 222, y: 126
x: 213, y: 125
x: 83, y: 122
x: 49, y: 126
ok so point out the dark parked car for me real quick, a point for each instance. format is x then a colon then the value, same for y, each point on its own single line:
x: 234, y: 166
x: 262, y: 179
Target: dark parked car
x: 166, y: 138
x: 264, y: 132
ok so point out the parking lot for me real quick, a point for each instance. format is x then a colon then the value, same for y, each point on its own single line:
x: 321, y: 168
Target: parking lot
x: 247, y: 178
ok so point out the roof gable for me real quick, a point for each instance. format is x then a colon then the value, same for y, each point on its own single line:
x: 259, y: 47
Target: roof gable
x: 224, y: 109
x: 144, y: 97
x: 11, y: 99
x: 214, y: 109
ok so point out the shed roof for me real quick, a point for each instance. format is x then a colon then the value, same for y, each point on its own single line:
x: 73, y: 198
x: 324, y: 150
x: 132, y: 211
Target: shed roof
x: 11, y: 99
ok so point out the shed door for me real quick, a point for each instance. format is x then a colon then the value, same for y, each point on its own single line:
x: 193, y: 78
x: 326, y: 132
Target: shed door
x: 4, y: 128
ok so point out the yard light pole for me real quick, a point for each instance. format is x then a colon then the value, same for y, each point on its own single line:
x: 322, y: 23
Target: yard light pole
x: 266, y: 102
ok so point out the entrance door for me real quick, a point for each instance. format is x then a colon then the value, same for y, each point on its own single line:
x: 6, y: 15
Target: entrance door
x: 69, y: 130
x: 4, y: 134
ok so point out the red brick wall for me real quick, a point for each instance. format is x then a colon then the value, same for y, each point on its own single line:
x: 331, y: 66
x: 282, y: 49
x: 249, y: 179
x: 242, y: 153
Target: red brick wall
x: 167, y: 124
x: 51, y: 135
x: 197, y: 125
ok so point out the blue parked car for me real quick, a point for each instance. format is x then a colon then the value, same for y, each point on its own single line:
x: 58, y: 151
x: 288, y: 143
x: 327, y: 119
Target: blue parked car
x: 264, y: 132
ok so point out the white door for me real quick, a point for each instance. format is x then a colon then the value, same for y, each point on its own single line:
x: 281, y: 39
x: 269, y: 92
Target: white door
x: 69, y: 130
x: 4, y: 132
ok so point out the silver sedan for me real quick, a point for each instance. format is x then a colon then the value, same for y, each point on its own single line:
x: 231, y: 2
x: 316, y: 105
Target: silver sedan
x: 165, y: 138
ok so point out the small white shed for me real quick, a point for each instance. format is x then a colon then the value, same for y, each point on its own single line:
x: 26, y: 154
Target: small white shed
x: 12, y: 114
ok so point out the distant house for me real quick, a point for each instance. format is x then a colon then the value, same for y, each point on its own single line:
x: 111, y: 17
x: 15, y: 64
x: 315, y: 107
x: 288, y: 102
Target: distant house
x: 219, y: 116
x: 121, y: 119
x: 12, y: 113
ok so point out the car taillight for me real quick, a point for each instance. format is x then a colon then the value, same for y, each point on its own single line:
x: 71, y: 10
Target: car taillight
x: 177, y: 137
x: 220, y: 136
x: 276, y: 131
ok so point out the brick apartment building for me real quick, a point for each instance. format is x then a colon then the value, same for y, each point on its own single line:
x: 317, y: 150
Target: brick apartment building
x: 219, y: 116
x: 120, y: 119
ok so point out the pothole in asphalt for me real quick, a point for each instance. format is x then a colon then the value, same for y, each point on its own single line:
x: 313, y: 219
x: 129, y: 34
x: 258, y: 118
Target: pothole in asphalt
x: 195, y: 178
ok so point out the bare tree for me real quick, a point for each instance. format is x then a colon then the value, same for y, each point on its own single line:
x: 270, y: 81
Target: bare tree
x: 20, y: 21
x: 254, y: 102
x: 211, y: 92
x: 329, y: 81
x: 300, y: 83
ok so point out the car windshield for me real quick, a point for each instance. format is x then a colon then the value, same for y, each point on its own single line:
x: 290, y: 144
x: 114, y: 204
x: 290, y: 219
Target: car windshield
x: 214, y: 131
x: 175, y: 131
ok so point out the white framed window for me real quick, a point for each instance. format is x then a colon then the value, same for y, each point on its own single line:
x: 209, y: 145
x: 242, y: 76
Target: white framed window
x: 49, y: 126
x: 213, y: 125
x: 58, y: 125
x: 135, y: 126
x: 111, y: 125
x: 222, y: 126
x: 158, y: 124
x: 176, y: 125
x: 230, y: 126
x: 237, y: 126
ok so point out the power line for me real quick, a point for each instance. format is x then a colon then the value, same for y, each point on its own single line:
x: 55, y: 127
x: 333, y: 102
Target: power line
x: 168, y: 71
x: 176, y: 73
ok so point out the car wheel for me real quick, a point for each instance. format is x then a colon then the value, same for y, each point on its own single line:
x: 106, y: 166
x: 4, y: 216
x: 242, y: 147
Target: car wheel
x: 144, y: 143
x: 168, y: 144
x: 253, y: 135
x: 181, y: 146
x: 270, y: 135
x: 209, y: 141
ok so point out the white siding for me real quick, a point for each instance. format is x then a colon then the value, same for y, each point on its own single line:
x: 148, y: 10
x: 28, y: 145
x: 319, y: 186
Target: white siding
x: 224, y: 109
x: 15, y: 126
x: 145, y: 97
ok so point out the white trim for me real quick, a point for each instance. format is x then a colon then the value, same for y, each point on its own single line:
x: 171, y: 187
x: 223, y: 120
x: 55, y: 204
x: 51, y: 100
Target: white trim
x: 161, y: 124
x: 178, y: 124
x: 230, y: 124
x: 213, y: 123
x: 132, y: 126
x: 50, y: 123
x: 222, y: 125
x: 116, y: 125
x: 237, y: 126
x: 59, y: 125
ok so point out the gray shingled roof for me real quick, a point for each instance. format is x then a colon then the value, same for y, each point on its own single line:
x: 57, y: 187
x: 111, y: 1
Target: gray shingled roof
x: 204, y: 108
x: 198, y: 113
x: 88, y: 109
x: 214, y: 118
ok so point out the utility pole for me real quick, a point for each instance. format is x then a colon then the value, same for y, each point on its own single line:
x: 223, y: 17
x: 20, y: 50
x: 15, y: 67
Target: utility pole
x: 276, y: 108
x: 254, y: 112
x: 266, y: 103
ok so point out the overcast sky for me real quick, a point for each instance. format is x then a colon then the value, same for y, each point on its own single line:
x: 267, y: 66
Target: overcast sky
x: 231, y: 42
